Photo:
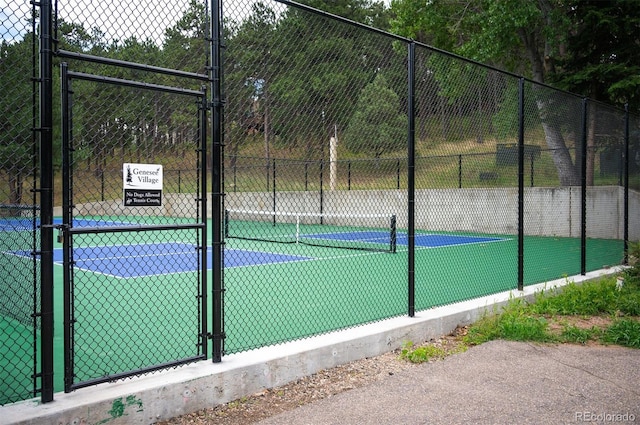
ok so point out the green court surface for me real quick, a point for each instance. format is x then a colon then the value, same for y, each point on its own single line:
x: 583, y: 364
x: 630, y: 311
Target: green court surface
x: 276, y: 292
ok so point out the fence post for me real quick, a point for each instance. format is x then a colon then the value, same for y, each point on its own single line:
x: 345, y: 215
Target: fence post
x: 203, y: 111
x: 411, y: 179
x: 626, y: 184
x: 46, y: 198
x: 583, y: 196
x: 521, y: 184
x: 216, y: 181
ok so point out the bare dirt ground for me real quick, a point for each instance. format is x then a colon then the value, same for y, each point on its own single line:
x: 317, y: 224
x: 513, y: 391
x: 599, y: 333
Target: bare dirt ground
x: 330, y: 382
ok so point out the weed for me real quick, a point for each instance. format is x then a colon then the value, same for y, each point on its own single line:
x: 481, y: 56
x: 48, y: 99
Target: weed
x: 421, y: 354
x: 522, y: 327
x: 520, y: 320
x: 587, y: 299
x: 576, y: 335
x: 624, y: 332
x: 485, y: 329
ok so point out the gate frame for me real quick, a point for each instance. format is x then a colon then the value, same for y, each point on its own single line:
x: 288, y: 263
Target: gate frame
x: 44, y: 131
x: 67, y: 231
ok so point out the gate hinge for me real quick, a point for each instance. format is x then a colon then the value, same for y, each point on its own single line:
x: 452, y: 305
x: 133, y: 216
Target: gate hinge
x: 216, y: 336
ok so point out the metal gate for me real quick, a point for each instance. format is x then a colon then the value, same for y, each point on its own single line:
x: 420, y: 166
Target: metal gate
x: 133, y: 235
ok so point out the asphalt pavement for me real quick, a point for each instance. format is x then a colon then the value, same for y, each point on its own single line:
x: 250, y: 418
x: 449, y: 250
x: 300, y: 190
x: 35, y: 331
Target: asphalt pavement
x: 499, y: 382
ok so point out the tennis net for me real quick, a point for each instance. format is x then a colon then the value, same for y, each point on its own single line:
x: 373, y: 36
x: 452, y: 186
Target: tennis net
x: 373, y: 232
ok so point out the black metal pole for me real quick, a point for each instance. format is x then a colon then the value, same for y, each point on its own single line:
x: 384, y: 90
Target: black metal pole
x: 521, y: 184
x: 274, y: 191
x: 583, y: 196
x: 46, y: 197
x: 626, y: 184
x: 216, y: 181
x: 67, y: 221
x: 411, y: 192
x: 204, y: 237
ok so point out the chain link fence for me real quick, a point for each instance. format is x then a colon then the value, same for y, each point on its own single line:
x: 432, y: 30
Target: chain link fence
x: 132, y: 234
x: 19, y: 204
x: 360, y: 176
x: 316, y: 117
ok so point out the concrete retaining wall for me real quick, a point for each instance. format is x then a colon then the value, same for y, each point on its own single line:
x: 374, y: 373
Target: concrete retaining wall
x: 548, y: 211
x: 554, y: 212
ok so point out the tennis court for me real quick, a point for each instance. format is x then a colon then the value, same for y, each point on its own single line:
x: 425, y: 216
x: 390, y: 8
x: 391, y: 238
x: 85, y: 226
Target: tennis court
x: 282, y: 282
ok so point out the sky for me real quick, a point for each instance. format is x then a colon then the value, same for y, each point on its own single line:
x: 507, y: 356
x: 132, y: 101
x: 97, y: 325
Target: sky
x: 117, y: 19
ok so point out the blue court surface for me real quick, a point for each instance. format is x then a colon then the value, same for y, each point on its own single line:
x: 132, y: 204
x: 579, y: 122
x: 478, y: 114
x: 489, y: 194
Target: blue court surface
x: 430, y: 240
x: 436, y: 240
x: 124, y: 261
x: 162, y: 258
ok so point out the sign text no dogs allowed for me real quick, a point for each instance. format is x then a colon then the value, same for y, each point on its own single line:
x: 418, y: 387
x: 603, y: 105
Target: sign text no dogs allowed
x: 142, y: 185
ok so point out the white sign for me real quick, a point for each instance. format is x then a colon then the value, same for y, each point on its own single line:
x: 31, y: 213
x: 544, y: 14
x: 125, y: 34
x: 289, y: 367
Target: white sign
x: 142, y: 185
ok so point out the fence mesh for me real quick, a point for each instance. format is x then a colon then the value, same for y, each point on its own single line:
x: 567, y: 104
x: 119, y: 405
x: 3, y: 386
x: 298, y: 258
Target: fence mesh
x: 316, y: 122
x: 133, y: 250
x: 292, y: 111
x: 315, y: 115
x: 19, y: 213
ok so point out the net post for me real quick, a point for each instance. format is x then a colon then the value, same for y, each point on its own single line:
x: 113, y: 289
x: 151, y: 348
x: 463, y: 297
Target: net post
x: 394, y: 235
x: 226, y: 223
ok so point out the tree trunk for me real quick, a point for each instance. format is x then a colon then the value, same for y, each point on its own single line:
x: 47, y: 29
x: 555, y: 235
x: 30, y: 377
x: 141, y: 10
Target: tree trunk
x: 561, y: 156
x: 567, y: 173
x: 15, y: 188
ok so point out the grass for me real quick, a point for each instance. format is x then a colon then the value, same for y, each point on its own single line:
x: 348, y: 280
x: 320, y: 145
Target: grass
x: 425, y: 353
x: 603, y: 311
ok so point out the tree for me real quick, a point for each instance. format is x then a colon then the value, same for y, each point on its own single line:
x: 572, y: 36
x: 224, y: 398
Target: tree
x: 601, y: 63
x: 601, y: 52
x: 15, y: 126
x: 378, y: 125
x: 505, y: 33
x: 316, y: 86
x: 249, y: 71
x: 185, y: 45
